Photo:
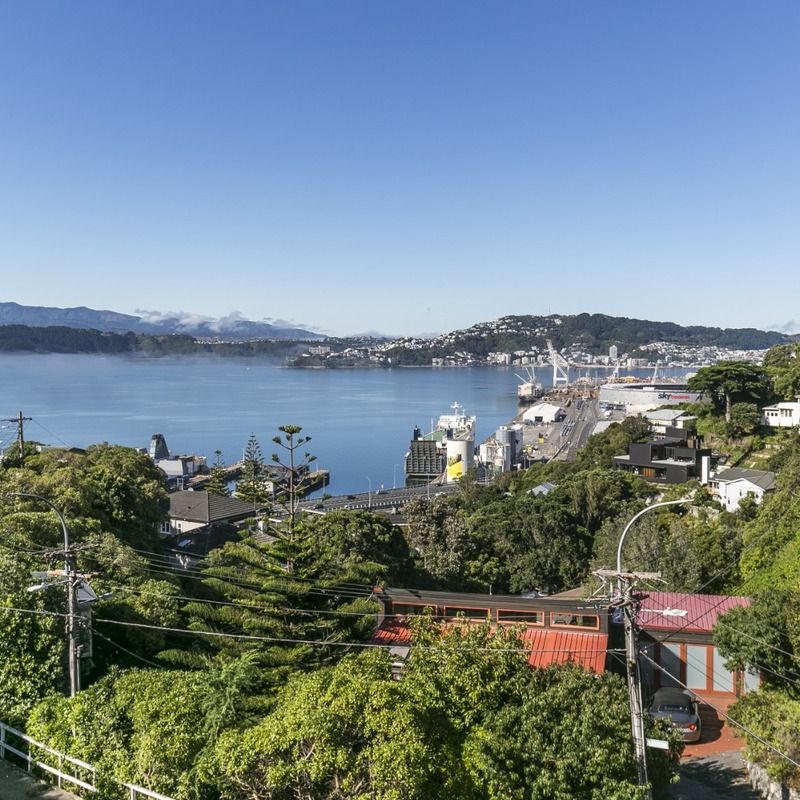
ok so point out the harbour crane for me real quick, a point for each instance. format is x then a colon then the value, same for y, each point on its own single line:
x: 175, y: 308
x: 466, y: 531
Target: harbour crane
x: 560, y: 366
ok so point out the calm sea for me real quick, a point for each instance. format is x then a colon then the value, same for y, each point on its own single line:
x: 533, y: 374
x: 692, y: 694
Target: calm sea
x: 360, y: 421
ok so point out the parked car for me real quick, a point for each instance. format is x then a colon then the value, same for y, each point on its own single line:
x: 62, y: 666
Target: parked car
x: 680, y: 709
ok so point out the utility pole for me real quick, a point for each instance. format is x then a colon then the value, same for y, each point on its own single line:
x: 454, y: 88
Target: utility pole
x: 20, y: 420
x: 624, y: 598
x: 71, y: 584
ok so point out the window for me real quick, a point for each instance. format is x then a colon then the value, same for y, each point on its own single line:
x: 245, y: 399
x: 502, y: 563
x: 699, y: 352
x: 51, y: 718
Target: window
x: 410, y: 609
x: 568, y: 619
x: 671, y: 663
x: 696, y: 666
x: 723, y: 678
x: 478, y: 614
x: 530, y: 617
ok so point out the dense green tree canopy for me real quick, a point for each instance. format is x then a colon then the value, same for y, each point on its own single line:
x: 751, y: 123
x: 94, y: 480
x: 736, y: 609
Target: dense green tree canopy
x: 728, y: 382
x: 782, y: 362
x: 469, y: 719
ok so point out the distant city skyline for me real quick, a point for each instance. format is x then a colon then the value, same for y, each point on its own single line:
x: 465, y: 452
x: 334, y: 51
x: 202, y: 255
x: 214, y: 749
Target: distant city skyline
x: 403, y: 169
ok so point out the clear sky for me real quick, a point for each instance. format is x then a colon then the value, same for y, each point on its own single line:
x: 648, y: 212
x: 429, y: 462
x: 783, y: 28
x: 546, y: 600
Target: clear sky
x: 403, y: 167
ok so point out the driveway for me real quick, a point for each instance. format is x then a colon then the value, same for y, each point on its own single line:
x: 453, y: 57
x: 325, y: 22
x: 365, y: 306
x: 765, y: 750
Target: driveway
x: 716, y: 777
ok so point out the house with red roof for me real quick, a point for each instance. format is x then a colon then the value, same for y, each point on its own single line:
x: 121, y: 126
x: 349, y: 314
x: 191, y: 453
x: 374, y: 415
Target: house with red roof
x: 675, y: 632
x: 555, y: 630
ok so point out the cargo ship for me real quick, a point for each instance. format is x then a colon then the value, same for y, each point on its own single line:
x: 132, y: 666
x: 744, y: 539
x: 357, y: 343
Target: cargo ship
x: 444, y: 454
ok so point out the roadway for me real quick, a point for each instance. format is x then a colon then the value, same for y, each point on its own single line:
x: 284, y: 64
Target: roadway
x: 581, y: 426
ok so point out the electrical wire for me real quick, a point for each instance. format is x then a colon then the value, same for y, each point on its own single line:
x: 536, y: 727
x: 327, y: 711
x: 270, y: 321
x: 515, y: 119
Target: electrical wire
x: 125, y: 650
x: 721, y: 620
x: 730, y: 719
x: 260, y: 587
x: 298, y: 579
x: 331, y: 643
x: 244, y: 605
x: 33, y: 611
x: 723, y: 598
x: 50, y: 433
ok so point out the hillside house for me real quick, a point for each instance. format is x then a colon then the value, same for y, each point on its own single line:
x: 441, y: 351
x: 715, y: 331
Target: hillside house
x: 730, y: 486
x: 781, y: 415
x: 675, y: 632
x: 674, y: 458
x: 556, y: 629
x: 201, y: 521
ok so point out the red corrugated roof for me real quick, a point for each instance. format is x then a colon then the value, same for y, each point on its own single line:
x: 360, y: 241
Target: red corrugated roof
x: 547, y: 646
x: 677, y: 611
x: 550, y: 646
x: 392, y: 632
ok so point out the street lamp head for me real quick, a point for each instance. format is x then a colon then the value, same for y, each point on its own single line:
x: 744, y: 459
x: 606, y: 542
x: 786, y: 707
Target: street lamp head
x: 38, y: 587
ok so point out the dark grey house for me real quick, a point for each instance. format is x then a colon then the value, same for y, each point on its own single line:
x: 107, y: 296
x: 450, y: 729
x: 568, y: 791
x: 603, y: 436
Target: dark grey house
x: 676, y: 458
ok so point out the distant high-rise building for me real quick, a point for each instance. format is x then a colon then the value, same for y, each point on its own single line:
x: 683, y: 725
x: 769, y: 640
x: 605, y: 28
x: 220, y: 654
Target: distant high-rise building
x: 612, y: 352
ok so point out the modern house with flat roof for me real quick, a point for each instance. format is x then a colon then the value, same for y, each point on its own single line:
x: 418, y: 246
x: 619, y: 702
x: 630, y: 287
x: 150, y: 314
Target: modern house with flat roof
x: 677, y: 457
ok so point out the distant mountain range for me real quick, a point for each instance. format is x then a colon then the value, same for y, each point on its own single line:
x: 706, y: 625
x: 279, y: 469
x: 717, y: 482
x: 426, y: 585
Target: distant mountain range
x: 85, y: 330
x: 150, y: 323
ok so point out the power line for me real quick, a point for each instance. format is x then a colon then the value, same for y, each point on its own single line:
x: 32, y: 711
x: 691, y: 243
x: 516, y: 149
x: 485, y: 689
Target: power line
x: 316, y: 642
x: 325, y: 643
x: 125, y: 650
x: 33, y: 611
x: 334, y: 589
x: 721, y: 620
x: 724, y: 714
x: 244, y: 605
x: 298, y: 578
x: 50, y: 433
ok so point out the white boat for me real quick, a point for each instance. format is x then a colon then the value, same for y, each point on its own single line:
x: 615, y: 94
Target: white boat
x: 456, y: 425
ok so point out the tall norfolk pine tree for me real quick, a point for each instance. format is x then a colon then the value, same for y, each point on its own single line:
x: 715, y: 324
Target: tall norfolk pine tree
x: 294, y: 478
x: 218, y: 480
x: 252, y: 485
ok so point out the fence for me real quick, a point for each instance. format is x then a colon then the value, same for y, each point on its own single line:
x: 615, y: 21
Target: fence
x: 85, y: 777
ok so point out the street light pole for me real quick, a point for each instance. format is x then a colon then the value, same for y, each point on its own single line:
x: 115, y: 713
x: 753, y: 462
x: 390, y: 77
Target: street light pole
x: 71, y: 583
x: 630, y: 606
x: 636, y: 516
x: 369, y: 496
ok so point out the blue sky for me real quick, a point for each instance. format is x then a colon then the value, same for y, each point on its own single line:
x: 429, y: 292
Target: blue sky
x: 403, y: 167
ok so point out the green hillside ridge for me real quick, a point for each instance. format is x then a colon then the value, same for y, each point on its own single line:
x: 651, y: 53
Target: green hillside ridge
x: 590, y: 333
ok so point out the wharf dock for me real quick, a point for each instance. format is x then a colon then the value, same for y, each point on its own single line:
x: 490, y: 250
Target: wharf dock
x: 568, y: 417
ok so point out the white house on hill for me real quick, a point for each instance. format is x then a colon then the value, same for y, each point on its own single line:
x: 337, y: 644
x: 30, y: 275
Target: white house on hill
x: 735, y: 483
x: 782, y: 415
x: 662, y: 418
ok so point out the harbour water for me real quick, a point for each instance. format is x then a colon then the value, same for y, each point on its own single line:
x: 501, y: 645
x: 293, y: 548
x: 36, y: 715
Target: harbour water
x: 360, y: 421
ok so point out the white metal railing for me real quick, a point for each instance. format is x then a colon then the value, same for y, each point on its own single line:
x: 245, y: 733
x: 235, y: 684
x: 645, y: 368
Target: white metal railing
x: 86, y: 780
